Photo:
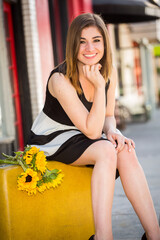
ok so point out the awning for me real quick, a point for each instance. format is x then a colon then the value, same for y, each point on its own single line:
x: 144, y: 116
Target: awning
x: 127, y: 11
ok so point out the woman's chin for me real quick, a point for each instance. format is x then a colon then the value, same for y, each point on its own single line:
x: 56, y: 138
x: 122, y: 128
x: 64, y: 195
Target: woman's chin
x: 90, y: 63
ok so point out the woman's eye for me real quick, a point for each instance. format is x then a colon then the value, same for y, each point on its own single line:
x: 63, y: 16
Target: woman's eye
x: 82, y: 42
x: 97, y: 40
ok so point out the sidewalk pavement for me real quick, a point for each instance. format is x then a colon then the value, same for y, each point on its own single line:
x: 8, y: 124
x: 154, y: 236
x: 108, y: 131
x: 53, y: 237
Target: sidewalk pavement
x: 126, y: 225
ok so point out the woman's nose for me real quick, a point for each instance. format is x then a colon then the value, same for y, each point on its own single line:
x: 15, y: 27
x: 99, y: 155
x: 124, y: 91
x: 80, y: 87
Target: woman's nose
x: 89, y: 46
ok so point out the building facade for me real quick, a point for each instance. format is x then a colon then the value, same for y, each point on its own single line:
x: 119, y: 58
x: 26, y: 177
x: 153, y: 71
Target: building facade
x: 32, y: 41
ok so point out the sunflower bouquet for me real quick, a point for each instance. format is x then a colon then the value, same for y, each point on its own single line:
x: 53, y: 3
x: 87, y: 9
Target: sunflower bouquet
x: 36, y: 175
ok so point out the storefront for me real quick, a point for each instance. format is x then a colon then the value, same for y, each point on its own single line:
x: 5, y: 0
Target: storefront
x: 134, y: 51
x: 127, y: 11
x: 11, y: 127
x: 32, y: 37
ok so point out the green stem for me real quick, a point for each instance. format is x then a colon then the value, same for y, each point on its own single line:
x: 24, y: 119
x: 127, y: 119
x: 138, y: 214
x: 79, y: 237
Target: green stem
x: 5, y: 161
x: 21, y: 164
x: 7, y: 156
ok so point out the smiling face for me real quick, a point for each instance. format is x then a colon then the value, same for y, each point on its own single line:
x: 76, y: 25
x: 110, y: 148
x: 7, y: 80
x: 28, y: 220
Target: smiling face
x: 87, y: 43
x: 91, y: 49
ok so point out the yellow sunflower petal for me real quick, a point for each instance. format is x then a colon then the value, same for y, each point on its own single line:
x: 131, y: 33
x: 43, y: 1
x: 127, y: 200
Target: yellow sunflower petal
x: 41, y: 161
x: 27, y: 181
x: 30, y: 153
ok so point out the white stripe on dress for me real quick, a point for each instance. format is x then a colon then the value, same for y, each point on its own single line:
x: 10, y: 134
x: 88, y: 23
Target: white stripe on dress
x: 51, y: 147
x: 44, y: 125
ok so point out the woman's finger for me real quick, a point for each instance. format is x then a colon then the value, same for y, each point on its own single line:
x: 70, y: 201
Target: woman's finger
x: 110, y: 138
x: 129, y: 144
x: 133, y: 143
x: 120, y: 142
x: 92, y: 68
x: 87, y: 71
x: 84, y: 70
x: 98, y: 67
x: 120, y: 146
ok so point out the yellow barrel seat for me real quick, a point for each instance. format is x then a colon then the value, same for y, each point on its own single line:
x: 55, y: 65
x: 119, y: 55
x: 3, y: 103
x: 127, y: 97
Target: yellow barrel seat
x: 64, y: 213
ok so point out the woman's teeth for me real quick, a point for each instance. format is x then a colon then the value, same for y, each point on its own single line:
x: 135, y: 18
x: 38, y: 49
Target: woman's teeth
x: 90, y: 55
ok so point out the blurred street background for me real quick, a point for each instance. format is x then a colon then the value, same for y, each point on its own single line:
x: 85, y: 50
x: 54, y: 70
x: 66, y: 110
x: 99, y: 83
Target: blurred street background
x: 32, y: 43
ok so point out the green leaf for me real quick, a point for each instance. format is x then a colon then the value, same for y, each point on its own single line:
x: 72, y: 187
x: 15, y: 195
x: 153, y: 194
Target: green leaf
x: 49, y: 178
x: 54, y: 171
x: 18, y: 153
x: 39, y: 183
x: 27, y: 148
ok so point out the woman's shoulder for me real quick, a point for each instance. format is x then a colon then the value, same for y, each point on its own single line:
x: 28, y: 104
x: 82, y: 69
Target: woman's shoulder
x: 58, y: 79
x: 61, y: 68
x: 59, y: 83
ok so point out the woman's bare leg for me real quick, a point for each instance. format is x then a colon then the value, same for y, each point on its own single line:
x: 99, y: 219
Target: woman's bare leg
x: 102, y: 154
x: 137, y: 191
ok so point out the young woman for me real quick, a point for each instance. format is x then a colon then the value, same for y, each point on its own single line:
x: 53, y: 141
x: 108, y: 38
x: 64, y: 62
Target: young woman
x: 77, y: 126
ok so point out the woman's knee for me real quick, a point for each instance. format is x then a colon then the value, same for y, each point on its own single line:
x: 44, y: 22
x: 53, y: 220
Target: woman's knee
x: 127, y: 158
x: 105, y: 151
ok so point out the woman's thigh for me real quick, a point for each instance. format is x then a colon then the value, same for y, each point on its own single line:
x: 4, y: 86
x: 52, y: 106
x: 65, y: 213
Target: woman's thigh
x: 101, y: 149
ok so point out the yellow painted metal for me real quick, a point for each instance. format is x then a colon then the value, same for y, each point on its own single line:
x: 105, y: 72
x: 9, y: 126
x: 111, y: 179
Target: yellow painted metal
x: 157, y: 51
x: 64, y: 213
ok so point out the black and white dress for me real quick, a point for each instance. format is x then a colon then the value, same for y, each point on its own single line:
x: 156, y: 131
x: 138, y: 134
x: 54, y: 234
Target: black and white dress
x: 55, y: 134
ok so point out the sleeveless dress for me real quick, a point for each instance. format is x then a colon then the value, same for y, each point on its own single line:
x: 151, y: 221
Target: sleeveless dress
x: 55, y: 134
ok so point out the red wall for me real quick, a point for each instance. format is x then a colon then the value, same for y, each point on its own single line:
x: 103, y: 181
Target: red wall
x: 74, y: 8
x: 45, y: 42
x: 77, y: 7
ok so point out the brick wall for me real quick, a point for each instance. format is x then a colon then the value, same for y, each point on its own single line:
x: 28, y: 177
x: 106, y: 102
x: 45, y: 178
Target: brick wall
x: 33, y: 55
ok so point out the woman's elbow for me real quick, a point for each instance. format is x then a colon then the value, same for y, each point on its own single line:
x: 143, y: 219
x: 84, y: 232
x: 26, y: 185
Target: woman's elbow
x: 94, y: 135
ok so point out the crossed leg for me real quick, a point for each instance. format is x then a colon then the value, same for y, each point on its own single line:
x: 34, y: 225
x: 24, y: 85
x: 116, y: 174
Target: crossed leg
x: 137, y: 191
x: 103, y: 155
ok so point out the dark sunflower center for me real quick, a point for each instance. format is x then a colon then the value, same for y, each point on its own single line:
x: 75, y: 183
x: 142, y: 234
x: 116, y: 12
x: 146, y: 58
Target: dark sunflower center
x: 28, y: 178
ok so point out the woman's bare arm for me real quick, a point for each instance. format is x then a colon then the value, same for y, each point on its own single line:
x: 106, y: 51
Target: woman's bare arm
x: 110, y: 122
x: 90, y: 123
x: 112, y: 133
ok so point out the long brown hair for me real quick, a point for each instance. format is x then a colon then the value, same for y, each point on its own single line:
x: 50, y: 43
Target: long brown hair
x: 73, y: 42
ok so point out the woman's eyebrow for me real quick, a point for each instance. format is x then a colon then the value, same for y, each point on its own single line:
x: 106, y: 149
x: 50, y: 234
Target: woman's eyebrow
x: 92, y: 37
x: 97, y: 37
